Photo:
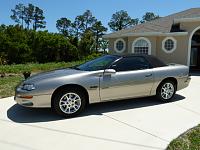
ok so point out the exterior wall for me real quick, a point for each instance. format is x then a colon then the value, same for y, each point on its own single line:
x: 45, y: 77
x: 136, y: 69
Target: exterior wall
x: 152, y: 39
x: 189, y: 26
x: 179, y: 55
x: 111, y: 45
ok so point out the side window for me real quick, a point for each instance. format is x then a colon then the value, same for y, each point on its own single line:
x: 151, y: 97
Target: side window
x: 131, y: 63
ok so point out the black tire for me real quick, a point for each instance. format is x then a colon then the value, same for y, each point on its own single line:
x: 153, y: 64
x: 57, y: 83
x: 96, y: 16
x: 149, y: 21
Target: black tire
x: 59, y: 95
x: 160, y: 91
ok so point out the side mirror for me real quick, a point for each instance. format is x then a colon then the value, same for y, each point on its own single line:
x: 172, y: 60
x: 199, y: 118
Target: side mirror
x: 109, y: 71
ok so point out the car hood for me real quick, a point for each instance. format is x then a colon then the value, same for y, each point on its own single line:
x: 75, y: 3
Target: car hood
x: 53, y: 74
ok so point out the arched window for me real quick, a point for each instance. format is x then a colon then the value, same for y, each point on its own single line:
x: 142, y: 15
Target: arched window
x: 142, y: 46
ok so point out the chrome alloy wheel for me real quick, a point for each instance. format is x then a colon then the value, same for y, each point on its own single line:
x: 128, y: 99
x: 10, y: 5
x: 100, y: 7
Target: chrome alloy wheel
x: 70, y: 103
x: 167, y: 91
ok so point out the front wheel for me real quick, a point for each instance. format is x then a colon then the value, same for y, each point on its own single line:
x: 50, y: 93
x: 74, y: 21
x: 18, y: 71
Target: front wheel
x: 166, y: 91
x: 69, y: 102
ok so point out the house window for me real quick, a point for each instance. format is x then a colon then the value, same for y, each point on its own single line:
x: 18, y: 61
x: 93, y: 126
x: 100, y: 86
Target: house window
x: 169, y: 44
x: 119, y: 45
x: 142, y: 46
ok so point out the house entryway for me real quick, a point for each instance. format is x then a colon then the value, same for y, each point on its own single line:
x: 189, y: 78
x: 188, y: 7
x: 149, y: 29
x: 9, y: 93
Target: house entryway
x: 195, y: 52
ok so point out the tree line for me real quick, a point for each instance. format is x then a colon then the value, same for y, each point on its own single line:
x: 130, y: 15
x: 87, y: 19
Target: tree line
x: 26, y: 42
x: 28, y: 15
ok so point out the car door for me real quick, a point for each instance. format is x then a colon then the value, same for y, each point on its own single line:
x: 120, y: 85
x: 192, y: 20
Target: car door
x: 133, y: 78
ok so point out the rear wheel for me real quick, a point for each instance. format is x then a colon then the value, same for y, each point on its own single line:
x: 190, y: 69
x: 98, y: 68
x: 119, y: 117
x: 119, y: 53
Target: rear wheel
x: 69, y: 102
x: 166, y: 90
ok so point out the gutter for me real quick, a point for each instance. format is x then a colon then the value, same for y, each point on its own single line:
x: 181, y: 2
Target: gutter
x: 145, y: 34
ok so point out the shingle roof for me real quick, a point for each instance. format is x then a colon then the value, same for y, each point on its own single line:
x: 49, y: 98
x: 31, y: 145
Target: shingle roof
x: 163, y: 24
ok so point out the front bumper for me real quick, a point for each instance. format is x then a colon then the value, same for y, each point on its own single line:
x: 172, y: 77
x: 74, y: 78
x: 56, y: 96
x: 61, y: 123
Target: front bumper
x: 28, y: 99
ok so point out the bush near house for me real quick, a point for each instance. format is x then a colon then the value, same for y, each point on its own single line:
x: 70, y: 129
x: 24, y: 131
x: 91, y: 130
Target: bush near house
x: 20, y: 46
x: 190, y: 140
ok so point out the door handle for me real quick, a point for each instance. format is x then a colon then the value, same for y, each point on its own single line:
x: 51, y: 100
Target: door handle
x: 148, y: 75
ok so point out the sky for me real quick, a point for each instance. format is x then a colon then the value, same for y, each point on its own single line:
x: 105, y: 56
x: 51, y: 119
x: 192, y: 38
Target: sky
x: 101, y: 9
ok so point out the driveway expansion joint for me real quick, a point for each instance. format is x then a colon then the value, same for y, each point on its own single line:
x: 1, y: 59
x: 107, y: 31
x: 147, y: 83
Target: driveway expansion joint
x: 146, y: 132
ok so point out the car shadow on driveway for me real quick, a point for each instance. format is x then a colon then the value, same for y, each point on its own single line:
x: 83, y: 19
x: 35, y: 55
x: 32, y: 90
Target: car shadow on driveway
x: 21, y: 114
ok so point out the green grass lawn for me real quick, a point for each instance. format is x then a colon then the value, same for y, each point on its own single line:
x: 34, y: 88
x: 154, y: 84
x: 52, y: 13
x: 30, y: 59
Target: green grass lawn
x: 36, y: 67
x: 190, y: 140
x: 8, y: 84
x: 17, y: 69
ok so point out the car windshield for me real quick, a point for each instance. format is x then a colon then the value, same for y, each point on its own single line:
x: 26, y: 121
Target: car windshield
x: 100, y: 63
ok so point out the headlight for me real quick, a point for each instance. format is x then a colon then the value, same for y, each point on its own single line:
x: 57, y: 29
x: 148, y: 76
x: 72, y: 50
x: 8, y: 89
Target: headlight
x: 28, y: 87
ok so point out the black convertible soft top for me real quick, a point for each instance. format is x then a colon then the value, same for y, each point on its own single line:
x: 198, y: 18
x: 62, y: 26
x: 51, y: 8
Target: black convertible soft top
x: 154, y: 61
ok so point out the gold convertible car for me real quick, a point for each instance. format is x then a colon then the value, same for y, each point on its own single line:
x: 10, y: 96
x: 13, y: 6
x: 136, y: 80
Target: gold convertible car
x: 107, y: 78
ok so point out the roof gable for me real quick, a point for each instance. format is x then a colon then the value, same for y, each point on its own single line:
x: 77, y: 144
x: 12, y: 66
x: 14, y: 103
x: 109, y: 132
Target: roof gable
x: 162, y: 25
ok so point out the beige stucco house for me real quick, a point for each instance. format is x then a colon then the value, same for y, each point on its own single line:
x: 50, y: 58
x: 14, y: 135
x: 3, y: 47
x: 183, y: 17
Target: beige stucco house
x: 173, y: 39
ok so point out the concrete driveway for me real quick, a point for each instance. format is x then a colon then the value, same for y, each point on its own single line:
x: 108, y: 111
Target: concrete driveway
x: 137, y: 124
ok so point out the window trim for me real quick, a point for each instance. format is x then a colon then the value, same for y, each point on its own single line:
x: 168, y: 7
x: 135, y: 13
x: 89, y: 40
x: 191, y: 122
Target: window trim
x: 163, y: 45
x: 142, y: 38
x: 115, y: 45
